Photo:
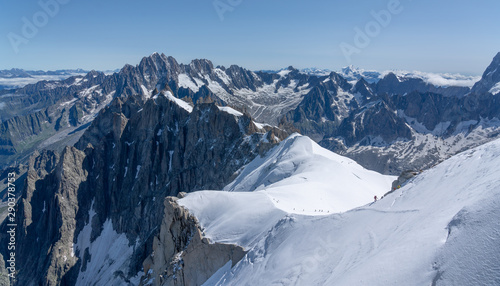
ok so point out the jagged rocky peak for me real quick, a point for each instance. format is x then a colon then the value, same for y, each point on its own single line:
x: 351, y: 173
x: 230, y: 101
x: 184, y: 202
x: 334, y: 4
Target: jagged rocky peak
x: 202, y: 66
x: 362, y: 86
x: 108, y: 192
x: 340, y: 81
x: 377, y: 122
x: 490, y: 81
x: 492, y: 69
x: 157, y: 64
x: 242, y: 78
x: 93, y: 73
x: 350, y: 69
x: 181, y: 255
x: 155, y: 58
x: 388, y: 80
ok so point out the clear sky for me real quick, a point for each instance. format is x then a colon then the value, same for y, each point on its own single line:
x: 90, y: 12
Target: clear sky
x: 426, y: 35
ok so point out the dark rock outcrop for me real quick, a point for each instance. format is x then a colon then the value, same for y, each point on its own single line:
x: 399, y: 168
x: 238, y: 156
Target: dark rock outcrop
x: 181, y: 254
x: 490, y: 78
x: 130, y: 158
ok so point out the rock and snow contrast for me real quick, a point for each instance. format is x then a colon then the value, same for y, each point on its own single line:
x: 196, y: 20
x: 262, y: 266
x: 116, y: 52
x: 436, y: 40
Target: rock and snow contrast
x: 354, y: 112
x: 299, y: 176
x: 194, y: 174
x: 441, y: 228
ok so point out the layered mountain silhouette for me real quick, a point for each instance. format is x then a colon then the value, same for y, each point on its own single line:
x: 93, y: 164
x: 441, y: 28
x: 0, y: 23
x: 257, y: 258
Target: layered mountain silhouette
x: 394, y: 114
x: 105, y: 155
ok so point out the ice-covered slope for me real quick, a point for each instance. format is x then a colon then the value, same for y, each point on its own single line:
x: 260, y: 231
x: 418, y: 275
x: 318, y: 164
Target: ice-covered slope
x: 299, y: 176
x: 296, y: 177
x: 442, y: 228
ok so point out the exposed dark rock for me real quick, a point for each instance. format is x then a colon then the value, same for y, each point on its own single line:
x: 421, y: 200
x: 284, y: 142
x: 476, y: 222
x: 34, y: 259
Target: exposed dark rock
x: 128, y: 160
x: 490, y: 78
x: 181, y: 255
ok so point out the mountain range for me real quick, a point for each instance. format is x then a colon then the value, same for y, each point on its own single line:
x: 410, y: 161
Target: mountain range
x: 393, y: 115
x: 120, y: 174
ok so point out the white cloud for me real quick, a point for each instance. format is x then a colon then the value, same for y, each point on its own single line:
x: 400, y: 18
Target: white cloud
x: 21, y: 82
x: 439, y: 79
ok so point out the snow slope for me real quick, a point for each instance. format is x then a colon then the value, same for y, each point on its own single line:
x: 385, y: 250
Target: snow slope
x: 442, y: 228
x: 296, y: 177
x: 299, y: 176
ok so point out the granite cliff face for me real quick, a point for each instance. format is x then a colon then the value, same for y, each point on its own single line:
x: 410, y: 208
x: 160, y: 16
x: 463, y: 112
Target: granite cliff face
x: 490, y: 80
x: 399, y: 124
x: 108, y: 190
x: 136, y: 145
x: 181, y: 255
x: 327, y: 108
x: 53, y: 114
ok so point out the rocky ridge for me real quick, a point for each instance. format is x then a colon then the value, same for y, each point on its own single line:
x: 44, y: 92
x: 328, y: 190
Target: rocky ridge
x: 341, y: 114
x: 181, y: 254
x: 111, y: 186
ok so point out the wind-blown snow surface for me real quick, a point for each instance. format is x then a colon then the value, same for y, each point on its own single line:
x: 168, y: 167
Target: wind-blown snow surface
x: 299, y: 176
x: 442, y: 228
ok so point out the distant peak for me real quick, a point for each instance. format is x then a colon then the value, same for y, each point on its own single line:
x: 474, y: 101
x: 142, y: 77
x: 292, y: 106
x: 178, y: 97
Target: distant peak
x: 493, y: 67
x: 361, y: 82
x: 316, y: 71
x: 497, y: 57
x: 391, y: 75
x: 202, y: 65
x: 349, y: 68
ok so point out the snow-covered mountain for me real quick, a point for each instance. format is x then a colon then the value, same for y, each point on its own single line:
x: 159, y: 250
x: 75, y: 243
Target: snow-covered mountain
x: 54, y: 109
x: 353, y: 74
x: 299, y: 176
x: 109, y: 209
x: 340, y: 109
x: 108, y: 190
x: 490, y: 81
x: 397, y: 123
x: 296, y: 177
x: 441, y: 228
x: 316, y: 71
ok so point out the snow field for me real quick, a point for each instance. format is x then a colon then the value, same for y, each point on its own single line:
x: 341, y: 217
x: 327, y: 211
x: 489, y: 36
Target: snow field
x: 443, y: 227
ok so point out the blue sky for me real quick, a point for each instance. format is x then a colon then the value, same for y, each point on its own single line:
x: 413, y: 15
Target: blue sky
x: 432, y: 36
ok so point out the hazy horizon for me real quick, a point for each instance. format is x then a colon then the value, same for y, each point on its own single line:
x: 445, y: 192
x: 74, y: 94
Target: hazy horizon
x: 258, y: 35
x: 263, y: 69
